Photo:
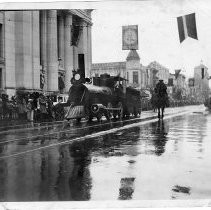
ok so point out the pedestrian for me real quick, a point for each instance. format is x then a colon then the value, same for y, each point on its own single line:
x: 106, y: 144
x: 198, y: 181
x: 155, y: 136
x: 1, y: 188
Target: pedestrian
x: 43, y: 109
x: 14, y: 107
x: 22, y: 110
x: 59, y: 110
x: 50, y: 108
x: 161, y: 89
x: 29, y: 110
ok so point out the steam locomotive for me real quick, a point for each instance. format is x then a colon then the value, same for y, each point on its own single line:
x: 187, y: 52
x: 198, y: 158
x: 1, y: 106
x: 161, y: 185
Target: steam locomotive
x: 108, y: 96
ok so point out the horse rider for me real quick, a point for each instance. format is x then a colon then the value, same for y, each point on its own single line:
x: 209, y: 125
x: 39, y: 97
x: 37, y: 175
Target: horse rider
x: 161, y: 89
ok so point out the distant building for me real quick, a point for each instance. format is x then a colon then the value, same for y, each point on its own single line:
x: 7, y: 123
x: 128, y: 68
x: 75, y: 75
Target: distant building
x: 201, y: 81
x: 136, y: 72
x: 112, y: 68
x: 156, y: 71
x: 177, y: 84
x: 131, y: 69
x: 180, y: 81
x: 191, y: 88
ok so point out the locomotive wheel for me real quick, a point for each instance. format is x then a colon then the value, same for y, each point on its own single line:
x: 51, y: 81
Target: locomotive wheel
x: 108, y: 114
x: 135, y: 112
x: 90, y: 118
x: 78, y: 120
x: 99, y: 117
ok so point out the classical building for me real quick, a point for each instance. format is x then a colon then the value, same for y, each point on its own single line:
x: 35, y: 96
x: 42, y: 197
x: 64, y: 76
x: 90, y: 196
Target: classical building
x: 135, y: 71
x: 131, y: 69
x: 201, y: 81
x: 39, y: 49
x: 155, y: 72
x: 112, y: 68
x: 178, y: 83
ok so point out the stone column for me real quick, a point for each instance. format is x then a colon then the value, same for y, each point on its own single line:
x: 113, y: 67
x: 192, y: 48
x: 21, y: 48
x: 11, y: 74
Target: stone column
x: 10, y: 73
x: 35, y: 50
x: 23, y: 49
x: 85, y: 49
x: 61, y: 39
x: 68, y: 49
x: 89, y: 56
x: 52, y: 57
x: 43, y: 44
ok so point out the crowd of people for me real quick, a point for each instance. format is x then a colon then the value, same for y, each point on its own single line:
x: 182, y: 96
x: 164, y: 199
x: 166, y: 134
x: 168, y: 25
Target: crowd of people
x: 30, y: 107
x: 36, y: 107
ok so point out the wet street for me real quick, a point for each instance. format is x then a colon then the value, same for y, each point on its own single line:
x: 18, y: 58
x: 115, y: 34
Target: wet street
x: 131, y: 160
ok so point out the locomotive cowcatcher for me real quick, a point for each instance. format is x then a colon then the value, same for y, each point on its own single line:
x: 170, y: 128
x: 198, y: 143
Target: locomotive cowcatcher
x: 108, y: 96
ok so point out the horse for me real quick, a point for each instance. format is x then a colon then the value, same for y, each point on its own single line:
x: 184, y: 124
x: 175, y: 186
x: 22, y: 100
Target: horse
x: 160, y: 100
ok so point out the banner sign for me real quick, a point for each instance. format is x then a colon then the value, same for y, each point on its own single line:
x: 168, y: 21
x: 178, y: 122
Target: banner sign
x: 187, y: 27
x: 130, y: 37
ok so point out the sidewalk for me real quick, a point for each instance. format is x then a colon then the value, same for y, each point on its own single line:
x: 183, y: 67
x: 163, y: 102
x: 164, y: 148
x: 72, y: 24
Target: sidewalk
x: 172, y: 110
x: 17, y: 124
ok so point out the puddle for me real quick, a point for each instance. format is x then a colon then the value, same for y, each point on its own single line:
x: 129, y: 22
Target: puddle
x: 181, y: 189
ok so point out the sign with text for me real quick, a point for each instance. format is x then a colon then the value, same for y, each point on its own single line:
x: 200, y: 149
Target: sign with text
x: 130, y: 37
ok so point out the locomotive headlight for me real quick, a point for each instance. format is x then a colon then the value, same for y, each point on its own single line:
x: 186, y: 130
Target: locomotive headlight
x: 77, y: 76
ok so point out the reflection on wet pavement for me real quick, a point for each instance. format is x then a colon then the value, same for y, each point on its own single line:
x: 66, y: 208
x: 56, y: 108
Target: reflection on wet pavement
x: 160, y: 160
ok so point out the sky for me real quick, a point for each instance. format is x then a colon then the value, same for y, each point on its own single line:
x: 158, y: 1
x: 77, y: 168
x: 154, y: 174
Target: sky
x: 157, y: 32
x: 157, y: 29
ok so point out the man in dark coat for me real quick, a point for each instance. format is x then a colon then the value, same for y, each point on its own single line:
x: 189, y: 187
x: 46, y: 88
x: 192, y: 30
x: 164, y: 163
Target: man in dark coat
x: 161, y: 88
x: 161, y: 91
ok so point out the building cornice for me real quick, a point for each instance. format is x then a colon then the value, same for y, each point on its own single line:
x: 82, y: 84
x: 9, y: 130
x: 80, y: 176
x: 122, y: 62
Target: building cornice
x: 82, y: 14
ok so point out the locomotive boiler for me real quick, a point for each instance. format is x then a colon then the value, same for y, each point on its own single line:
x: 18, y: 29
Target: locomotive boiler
x: 108, y: 96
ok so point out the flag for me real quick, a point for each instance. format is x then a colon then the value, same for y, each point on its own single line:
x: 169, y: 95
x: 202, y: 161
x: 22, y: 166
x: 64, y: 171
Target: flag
x: 202, y: 73
x: 177, y: 73
x: 187, y: 27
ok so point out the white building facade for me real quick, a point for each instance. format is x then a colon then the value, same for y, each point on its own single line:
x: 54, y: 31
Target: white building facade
x: 39, y: 49
x: 131, y: 69
x: 201, y: 81
x: 156, y: 71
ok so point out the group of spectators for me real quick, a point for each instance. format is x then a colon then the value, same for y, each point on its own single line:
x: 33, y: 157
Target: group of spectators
x: 31, y: 107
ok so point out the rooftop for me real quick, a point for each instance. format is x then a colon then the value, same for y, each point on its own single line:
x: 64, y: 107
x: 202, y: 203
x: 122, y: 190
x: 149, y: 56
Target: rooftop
x: 133, y: 55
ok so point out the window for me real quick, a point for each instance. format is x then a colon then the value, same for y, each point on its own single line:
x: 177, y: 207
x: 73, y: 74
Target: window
x: 135, y: 77
x: 127, y: 76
